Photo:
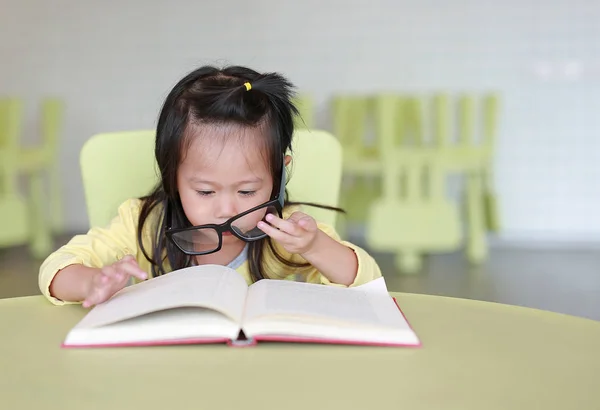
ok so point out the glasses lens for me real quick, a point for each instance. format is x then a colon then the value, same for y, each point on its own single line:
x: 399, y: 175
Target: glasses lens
x: 197, y: 240
x: 246, y: 226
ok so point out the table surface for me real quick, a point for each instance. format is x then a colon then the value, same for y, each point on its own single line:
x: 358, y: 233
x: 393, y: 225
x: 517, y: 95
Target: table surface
x: 475, y: 355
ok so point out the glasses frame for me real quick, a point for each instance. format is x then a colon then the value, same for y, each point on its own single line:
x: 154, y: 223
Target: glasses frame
x: 277, y: 202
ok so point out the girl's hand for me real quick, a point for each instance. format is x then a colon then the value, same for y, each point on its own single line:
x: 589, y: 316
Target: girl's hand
x: 111, y: 279
x: 297, y: 234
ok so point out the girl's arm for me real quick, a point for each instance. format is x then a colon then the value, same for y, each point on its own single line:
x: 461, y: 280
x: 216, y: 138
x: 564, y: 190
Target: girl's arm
x: 72, y: 283
x: 335, y: 261
x: 92, y: 285
x: 65, y: 275
x: 332, y: 260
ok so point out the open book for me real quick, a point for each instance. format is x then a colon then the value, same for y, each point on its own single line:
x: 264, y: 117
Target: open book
x: 213, y: 304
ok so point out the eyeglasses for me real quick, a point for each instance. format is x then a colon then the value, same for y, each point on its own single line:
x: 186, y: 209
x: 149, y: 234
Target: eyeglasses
x: 205, y: 239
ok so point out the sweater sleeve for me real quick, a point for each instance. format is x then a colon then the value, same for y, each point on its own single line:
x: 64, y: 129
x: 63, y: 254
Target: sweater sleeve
x: 368, y: 269
x: 97, y: 248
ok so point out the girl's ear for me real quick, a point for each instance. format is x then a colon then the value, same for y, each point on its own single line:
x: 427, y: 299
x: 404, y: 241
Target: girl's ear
x: 287, y: 159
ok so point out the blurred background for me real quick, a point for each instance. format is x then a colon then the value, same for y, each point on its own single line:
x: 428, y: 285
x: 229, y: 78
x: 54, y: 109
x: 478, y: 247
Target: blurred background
x: 490, y: 106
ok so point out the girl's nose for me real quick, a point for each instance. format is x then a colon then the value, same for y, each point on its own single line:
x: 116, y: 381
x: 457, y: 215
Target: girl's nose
x: 226, y: 208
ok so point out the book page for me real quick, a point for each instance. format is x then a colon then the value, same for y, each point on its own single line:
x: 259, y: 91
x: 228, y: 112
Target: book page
x: 210, y: 286
x: 369, y: 306
x: 162, y: 326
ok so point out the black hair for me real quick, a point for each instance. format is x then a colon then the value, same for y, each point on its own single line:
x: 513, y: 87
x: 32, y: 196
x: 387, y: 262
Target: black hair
x: 216, y: 96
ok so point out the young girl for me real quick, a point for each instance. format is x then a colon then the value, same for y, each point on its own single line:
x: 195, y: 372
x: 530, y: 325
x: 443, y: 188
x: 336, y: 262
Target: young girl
x: 221, y: 144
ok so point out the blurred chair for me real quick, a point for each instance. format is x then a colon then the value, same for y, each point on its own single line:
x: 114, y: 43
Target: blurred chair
x: 413, y: 217
x: 11, y: 121
x: 358, y: 125
x: 473, y: 158
x: 42, y: 159
x: 26, y: 217
x: 14, y: 209
x: 116, y: 166
x: 316, y: 173
x: 305, y: 105
x: 490, y: 129
x: 120, y: 165
x: 352, y: 117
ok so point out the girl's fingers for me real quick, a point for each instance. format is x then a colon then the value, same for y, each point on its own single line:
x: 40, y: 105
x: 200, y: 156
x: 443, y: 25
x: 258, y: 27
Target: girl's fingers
x: 96, y: 296
x: 273, y: 232
x: 304, y: 221
x: 309, y: 224
x: 131, y: 268
x: 112, y: 278
x: 103, y: 287
x: 288, y: 226
x: 123, y: 269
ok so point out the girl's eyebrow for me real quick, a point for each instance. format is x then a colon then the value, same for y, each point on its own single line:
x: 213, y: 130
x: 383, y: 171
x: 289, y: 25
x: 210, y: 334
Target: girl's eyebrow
x: 198, y: 180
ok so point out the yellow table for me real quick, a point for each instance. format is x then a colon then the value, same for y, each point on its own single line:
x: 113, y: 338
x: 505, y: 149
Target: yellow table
x: 475, y: 355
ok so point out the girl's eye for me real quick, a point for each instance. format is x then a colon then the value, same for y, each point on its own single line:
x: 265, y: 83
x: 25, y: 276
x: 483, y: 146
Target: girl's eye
x: 247, y: 193
x: 204, y: 193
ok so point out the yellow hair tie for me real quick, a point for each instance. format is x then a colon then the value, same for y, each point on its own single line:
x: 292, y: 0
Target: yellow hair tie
x: 248, y: 86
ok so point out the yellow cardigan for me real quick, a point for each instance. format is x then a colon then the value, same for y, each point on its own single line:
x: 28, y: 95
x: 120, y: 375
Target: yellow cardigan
x: 104, y: 246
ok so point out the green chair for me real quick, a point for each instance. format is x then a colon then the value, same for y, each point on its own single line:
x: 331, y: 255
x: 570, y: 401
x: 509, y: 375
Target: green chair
x: 11, y: 122
x: 29, y: 219
x: 490, y: 123
x: 315, y: 174
x: 474, y: 158
x: 26, y: 217
x: 42, y: 159
x: 120, y: 165
x: 351, y: 120
x: 305, y: 105
x: 14, y: 209
x: 413, y: 216
x: 418, y: 219
x: 350, y: 116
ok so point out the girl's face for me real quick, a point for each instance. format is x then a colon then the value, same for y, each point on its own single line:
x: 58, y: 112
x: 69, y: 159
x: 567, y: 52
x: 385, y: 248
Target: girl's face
x: 222, y: 174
